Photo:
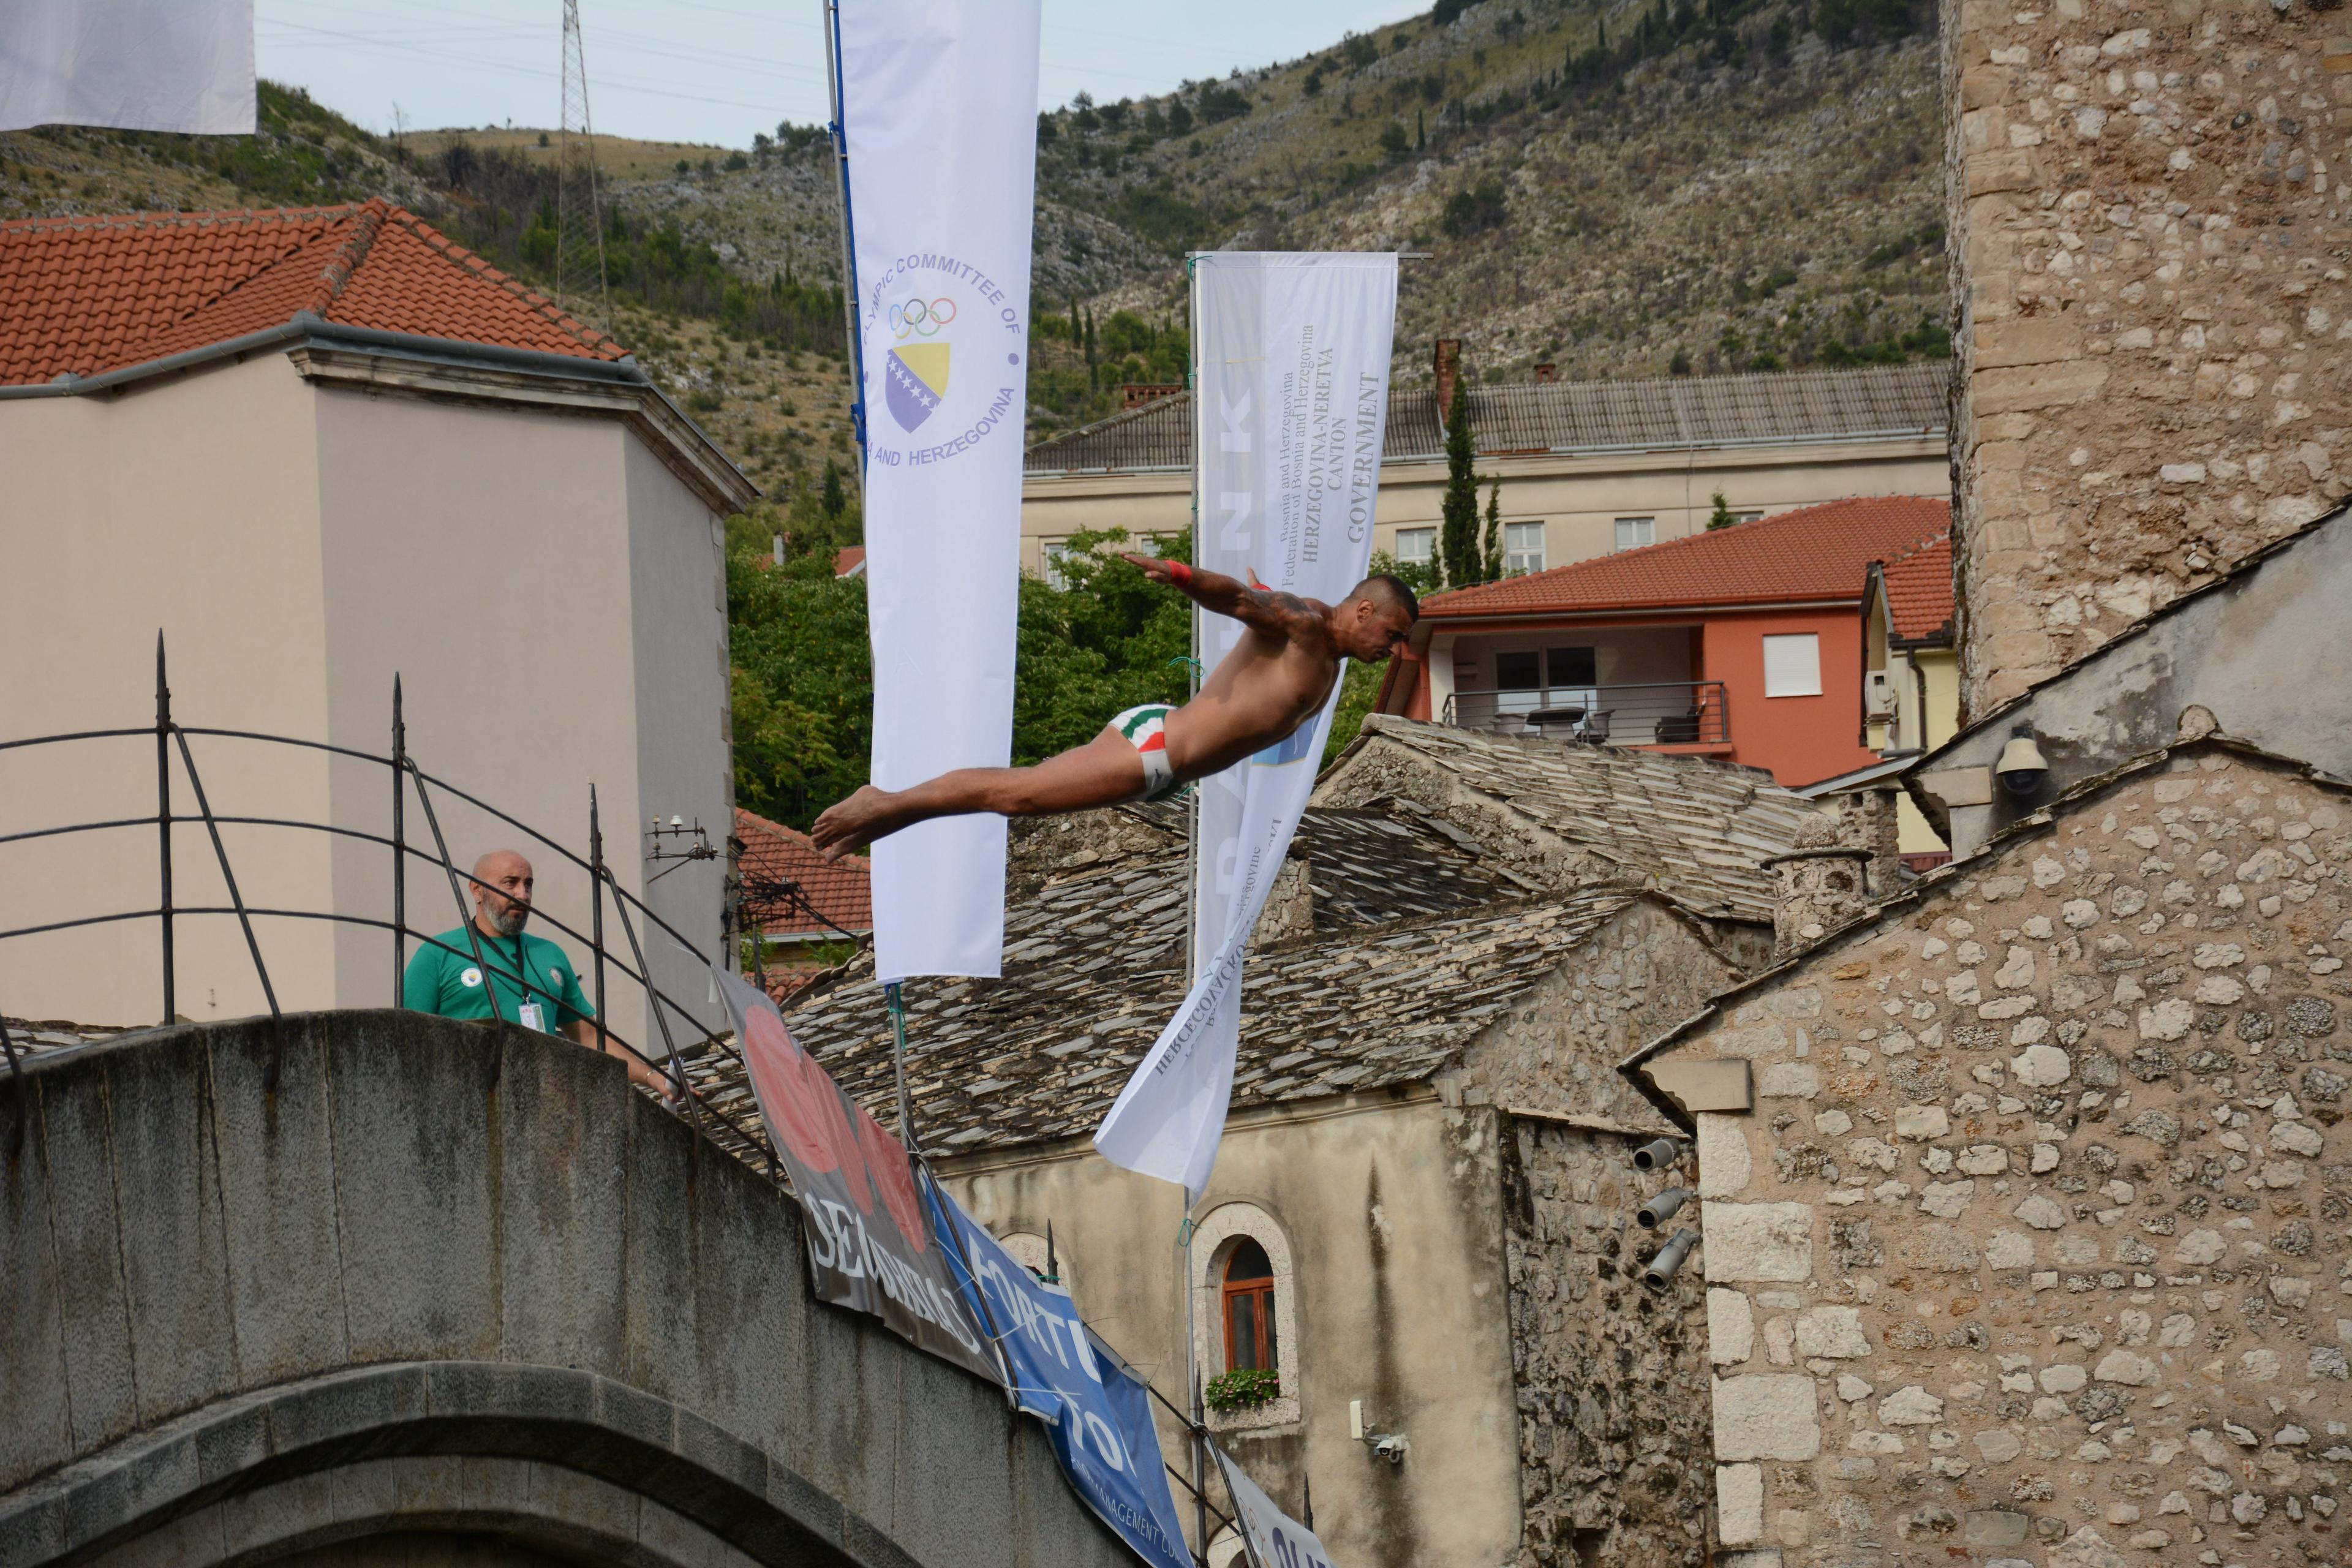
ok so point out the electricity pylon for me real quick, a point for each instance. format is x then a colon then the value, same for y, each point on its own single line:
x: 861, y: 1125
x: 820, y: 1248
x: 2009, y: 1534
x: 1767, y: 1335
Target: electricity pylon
x: 577, y: 199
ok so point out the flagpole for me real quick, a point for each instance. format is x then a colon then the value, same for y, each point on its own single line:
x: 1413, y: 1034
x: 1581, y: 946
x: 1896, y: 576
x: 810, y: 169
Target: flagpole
x: 1192, y: 894
x: 839, y: 132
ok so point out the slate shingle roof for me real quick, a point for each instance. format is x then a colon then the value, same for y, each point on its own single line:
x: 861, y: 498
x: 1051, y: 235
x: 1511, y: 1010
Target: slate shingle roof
x: 87, y: 295
x: 1696, y: 829
x: 1571, y: 417
x: 1417, y: 944
x: 1814, y: 552
x: 1919, y: 592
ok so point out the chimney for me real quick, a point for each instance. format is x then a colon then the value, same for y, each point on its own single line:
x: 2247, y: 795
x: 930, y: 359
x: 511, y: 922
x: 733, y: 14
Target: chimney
x: 1846, y: 862
x: 1448, y: 367
x: 1547, y: 372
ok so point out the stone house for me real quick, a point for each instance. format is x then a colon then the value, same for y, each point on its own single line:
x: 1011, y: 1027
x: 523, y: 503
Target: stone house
x: 1426, y: 1181
x: 2225, y: 649
x: 2026, y: 1197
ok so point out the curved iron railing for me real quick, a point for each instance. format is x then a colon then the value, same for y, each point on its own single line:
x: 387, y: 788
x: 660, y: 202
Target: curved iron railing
x: 171, y: 741
x: 686, y: 1098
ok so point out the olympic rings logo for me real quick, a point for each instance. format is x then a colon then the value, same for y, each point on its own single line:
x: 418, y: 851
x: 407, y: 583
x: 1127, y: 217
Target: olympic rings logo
x: 921, y: 318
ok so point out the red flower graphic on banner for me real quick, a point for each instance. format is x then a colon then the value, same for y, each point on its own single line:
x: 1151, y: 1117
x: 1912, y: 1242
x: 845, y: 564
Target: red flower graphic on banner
x: 886, y: 1162
x: 794, y: 1091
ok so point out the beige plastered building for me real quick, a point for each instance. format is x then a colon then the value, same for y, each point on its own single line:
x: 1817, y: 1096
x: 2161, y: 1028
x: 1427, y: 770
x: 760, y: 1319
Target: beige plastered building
x: 528, y: 541
x: 1587, y: 468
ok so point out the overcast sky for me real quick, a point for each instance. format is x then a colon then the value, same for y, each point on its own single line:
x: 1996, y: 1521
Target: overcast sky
x: 718, y: 70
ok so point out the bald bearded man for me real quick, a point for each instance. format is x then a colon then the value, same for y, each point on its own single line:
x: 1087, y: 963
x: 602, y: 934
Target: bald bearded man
x: 528, y: 981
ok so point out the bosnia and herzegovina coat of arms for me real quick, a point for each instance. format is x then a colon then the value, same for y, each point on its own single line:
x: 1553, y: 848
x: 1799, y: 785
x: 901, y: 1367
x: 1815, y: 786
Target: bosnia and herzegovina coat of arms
x: 915, y: 378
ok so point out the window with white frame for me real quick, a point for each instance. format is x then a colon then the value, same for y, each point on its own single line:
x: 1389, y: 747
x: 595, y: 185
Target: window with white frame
x: 1523, y: 546
x: 1632, y: 532
x: 1414, y: 546
x: 1792, y: 665
x: 1056, y: 549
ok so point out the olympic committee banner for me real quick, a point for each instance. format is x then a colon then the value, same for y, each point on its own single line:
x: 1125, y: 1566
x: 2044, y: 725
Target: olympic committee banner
x: 870, y: 1242
x: 1275, y: 1539
x: 1290, y: 406
x: 133, y: 65
x: 1100, y: 1415
x: 938, y: 107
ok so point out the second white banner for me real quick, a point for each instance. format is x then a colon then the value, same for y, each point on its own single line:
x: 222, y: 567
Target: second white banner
x: 1290, y: 404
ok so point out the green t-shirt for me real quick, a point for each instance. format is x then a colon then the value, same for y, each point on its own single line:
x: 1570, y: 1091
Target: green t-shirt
x: 446, y: 981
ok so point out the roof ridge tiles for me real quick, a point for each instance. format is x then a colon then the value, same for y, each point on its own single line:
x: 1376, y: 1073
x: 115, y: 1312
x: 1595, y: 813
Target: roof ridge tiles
x: 348, y: 257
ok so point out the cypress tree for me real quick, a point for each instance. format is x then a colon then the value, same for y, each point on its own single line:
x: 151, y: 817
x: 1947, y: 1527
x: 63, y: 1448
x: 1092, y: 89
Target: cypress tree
x: 1494, y: 532
x: 1458, y: 534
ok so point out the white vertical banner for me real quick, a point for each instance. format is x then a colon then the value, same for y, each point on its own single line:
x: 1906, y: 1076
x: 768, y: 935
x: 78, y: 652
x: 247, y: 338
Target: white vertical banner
x: 1290, y: 406
x: 939, y: 108
x: 132, y: 65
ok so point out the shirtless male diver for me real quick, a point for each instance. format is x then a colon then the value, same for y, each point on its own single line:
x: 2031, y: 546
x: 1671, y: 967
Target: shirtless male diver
x: 1274, y: 681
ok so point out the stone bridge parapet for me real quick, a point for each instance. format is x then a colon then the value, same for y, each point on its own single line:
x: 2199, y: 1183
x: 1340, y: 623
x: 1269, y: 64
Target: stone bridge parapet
x: 457, y: 1284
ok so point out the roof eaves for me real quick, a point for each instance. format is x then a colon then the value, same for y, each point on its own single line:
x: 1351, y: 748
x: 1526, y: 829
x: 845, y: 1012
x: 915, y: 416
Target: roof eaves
x: 2137, y: 629
x: 2041, y: 821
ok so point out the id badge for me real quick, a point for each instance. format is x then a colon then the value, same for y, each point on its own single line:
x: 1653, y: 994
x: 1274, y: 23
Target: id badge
x: 533, y: 1018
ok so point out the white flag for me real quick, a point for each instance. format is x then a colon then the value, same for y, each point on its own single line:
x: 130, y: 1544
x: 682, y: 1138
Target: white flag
x: 1275, y: 1539
x: 939, y: 104
x: 1289, y: 408
x: 133, y: 65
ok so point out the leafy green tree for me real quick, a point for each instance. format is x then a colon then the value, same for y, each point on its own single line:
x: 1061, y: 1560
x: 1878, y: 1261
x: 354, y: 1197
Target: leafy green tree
x: 1106, y: 641
x: 1721, y: 516
x: 1458, y: 534
x: 802, y: 683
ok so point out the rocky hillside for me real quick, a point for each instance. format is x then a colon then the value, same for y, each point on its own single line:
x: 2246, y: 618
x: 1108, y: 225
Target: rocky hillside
x: 1629, y: 188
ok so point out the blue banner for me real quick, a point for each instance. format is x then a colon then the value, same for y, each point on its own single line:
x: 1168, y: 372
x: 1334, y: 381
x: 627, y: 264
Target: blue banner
x: 1099, y: 1410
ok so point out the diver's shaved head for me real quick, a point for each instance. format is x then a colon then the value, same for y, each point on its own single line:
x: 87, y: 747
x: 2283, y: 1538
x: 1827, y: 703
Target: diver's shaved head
x: 1388, y: 589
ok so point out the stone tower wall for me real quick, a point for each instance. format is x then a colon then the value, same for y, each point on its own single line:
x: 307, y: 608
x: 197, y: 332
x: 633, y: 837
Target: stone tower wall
x: 2150, y: 239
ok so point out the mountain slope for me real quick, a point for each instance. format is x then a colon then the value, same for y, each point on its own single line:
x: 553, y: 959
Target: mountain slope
x: 1623, y: 189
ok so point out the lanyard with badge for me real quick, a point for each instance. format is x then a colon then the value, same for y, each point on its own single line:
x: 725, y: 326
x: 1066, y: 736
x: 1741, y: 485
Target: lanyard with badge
x: 530, y: 1015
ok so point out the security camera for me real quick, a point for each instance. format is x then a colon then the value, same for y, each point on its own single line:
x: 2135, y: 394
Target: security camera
x: 1670, y: 1259
x: 1662, y: 1207
x: 2022, y: 768
x: 1658, y: 1154
x: 1391, y: 1447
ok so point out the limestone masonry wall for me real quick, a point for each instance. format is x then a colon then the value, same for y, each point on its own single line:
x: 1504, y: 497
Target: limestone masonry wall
x: 2149, y: 231
x: 1611, y: 1380
x: 2034, y: 1249
x: 1556, y: 1048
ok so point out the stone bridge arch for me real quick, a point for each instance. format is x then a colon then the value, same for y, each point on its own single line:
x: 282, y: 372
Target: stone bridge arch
x: 452, y: 1293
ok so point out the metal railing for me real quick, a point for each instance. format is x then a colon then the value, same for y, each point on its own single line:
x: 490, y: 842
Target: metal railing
x: 1645, y: 713
x: 172, y: 741
x: 728, y: 1133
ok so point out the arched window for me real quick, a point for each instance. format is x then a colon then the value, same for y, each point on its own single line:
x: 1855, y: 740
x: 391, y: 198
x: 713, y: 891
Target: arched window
x: 1246, y: 1314
x: 1251, y: 1343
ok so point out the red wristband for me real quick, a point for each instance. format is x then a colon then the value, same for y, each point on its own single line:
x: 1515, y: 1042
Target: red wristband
x: 1178, y: 574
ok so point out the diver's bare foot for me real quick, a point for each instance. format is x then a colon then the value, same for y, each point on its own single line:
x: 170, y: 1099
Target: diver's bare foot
x: 852, y: 824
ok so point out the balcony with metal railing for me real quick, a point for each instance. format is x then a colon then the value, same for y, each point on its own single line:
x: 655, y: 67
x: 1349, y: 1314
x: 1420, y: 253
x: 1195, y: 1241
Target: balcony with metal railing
x: 1683, y: 715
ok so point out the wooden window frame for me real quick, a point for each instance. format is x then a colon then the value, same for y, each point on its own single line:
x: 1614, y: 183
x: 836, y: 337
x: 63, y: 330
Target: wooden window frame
x: 1268, y: 1344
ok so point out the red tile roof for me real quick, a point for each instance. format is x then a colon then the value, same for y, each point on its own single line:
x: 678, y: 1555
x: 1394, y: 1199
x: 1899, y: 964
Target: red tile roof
x: 1919, y: 592
x: 777, y: 861
x: 87, y: 295
x: 1813, y: 554
x: 848, y: 559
